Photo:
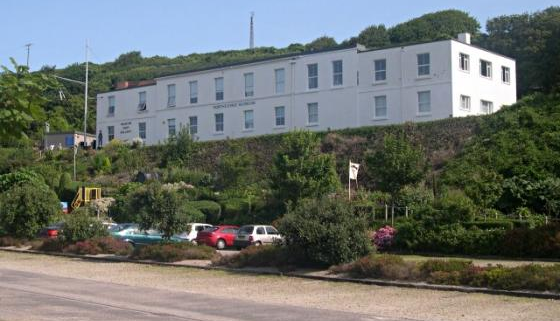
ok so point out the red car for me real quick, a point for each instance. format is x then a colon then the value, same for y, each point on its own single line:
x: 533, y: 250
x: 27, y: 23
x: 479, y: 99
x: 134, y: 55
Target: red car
x: 220, y: 236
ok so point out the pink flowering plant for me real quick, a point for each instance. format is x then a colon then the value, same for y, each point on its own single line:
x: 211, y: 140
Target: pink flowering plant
x: 384, y: 237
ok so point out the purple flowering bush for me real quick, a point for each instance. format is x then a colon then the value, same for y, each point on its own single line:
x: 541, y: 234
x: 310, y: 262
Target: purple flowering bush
x: 384, y: 237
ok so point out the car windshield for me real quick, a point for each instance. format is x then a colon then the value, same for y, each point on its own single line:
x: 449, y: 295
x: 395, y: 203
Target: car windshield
x: 246, y: 230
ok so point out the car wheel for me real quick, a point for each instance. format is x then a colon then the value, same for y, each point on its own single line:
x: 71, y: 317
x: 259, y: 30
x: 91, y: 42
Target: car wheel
x: 258, y: 243
x: 221, y: 244
x: 194, y: 242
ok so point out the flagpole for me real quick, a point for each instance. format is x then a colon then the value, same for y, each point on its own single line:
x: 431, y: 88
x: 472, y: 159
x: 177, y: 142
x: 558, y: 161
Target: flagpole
x: 349, y: 168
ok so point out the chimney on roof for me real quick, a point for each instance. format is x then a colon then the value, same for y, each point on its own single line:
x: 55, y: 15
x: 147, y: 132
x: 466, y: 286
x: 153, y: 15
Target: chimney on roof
x: 464, y: 37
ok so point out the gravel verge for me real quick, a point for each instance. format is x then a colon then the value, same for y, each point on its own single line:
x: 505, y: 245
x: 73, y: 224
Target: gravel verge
x: 418, y: 304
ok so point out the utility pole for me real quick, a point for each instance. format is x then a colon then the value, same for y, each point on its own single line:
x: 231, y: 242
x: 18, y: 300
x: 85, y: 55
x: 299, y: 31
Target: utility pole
x: 86, y: 96
x: 28, y: 48
x: 252, y: 33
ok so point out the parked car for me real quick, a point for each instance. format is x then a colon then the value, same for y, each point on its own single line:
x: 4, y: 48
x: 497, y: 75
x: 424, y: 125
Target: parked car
x: 192, y: 231
x: 52, y: 231
x: 109, y: 225
x: 256, y: 235
x: 122, y: 229
x: 220, y: 237
x: 137, y: 237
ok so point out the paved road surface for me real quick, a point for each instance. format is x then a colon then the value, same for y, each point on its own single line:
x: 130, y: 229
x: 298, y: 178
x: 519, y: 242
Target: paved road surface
x: 33, y: 296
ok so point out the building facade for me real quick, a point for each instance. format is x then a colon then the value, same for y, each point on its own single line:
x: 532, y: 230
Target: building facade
x: 322, y: 90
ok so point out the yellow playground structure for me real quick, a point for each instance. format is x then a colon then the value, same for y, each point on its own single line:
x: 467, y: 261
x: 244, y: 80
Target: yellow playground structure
x: 85, y: 195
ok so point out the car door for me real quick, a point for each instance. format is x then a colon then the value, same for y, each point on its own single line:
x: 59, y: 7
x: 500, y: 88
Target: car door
x: 272, y: 234
x: 261, y: 235
x: 229, y: 235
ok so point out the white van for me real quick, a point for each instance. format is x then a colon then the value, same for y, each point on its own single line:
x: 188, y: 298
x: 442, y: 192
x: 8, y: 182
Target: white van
x: 192, y: 231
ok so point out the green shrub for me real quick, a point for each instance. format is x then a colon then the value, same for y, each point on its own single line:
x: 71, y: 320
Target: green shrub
x: 10, y: 241
x: 490, y: 224
x: 101, y: 164
x: 196, y: 178
x: 326, y: 230
x: 86, y: 247
x: 173, y: 252
x: 50, y: 245
x: 211, y: 210
x: 81, y: 226
x: 430, y: 266
x: 527, y: 277
x: 111, y: 245
x: 27, y: 207
x: 12, y: 179
x: 456, y: 207
x: 540, y: 242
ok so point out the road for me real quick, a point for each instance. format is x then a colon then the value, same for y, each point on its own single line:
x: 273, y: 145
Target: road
x: 35, y: 296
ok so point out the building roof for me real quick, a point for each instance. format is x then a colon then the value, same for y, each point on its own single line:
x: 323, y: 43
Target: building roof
x: 70, y: 132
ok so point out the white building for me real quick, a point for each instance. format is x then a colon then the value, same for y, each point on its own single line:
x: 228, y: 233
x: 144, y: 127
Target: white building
x: 321, y: 90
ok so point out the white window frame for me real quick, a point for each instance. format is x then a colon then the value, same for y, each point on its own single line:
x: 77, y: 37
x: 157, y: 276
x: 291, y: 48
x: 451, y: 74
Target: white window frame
x: 486, y: 107
x: 377, y: 105
x: 171, y: 127
x: 219, y: 88
x: 277, y: 122
x: 338, y: 75
x: 279, y: 80
x: 465, y: 102
x: 248, y: 122
x: 171, y: 95
x: 464, y: 62
x: 193, y: 126
x: 110, y: 133
x: 379, y: 75
x: 310, y: 121
x: 488, y: 68
x: 142, y: 104
x: 313, y: 78
x: 424, y: 68
x: 111, y: 110
x: 506, y: 75
x: 421, y: 94
x: 193, y: 91
x: 142, y: 133
x: 218, y: 125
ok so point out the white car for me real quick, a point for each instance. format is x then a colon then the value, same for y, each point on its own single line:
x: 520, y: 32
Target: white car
x: 192, y: 231
x: 256, y: 235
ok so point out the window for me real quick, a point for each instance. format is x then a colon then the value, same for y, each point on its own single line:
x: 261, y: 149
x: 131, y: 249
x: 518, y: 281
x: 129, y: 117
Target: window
x: 219, y: 122
x: 486, y: 107
x: 380, y: 107
x: 193, y: 125
x: 142, y: 130
x: 312, y: 76
x: 280, y: 116
x: 485, y: 68
x: 337, y: 73
x: 142, y: 100
x: 171, y: 127
x: 312, y: 113
x: 111, y: 110
x: 271, y: 230
x: 219, y: 85
x: 423, y: 64
x: 505, y: 75
x: 380, y: 70
x: 171, y: 95
x: 465, y: 102
x: 249, y: 85
x: 280, y: 78
x: 260, y: 230
x: 193, y: 91
x: 110, y: 133
x: 424, y: 102
x: 249, y: 120
x: 464, y: 62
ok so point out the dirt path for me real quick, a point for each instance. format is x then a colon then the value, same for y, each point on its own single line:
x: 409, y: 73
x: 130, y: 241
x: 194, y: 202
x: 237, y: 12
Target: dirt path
x: 386, y: 301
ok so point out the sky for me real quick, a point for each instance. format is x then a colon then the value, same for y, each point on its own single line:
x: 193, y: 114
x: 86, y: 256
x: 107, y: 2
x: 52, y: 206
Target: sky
x: 58, y: 29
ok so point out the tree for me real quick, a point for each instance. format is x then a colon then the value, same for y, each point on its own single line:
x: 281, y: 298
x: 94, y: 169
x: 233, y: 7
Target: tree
x: 534, y: 41
x: 27, y: 207
x: 21, y: 100
x: 397, y: 164
x: 445, y: 24
x: 180, y: 149
x: 320, y: 43
x: 301, y: 170
x: 325, y: 231
x: 374, y: 37
x: 235, y: 170
x: 164, y: 209
x: 81, y: 225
